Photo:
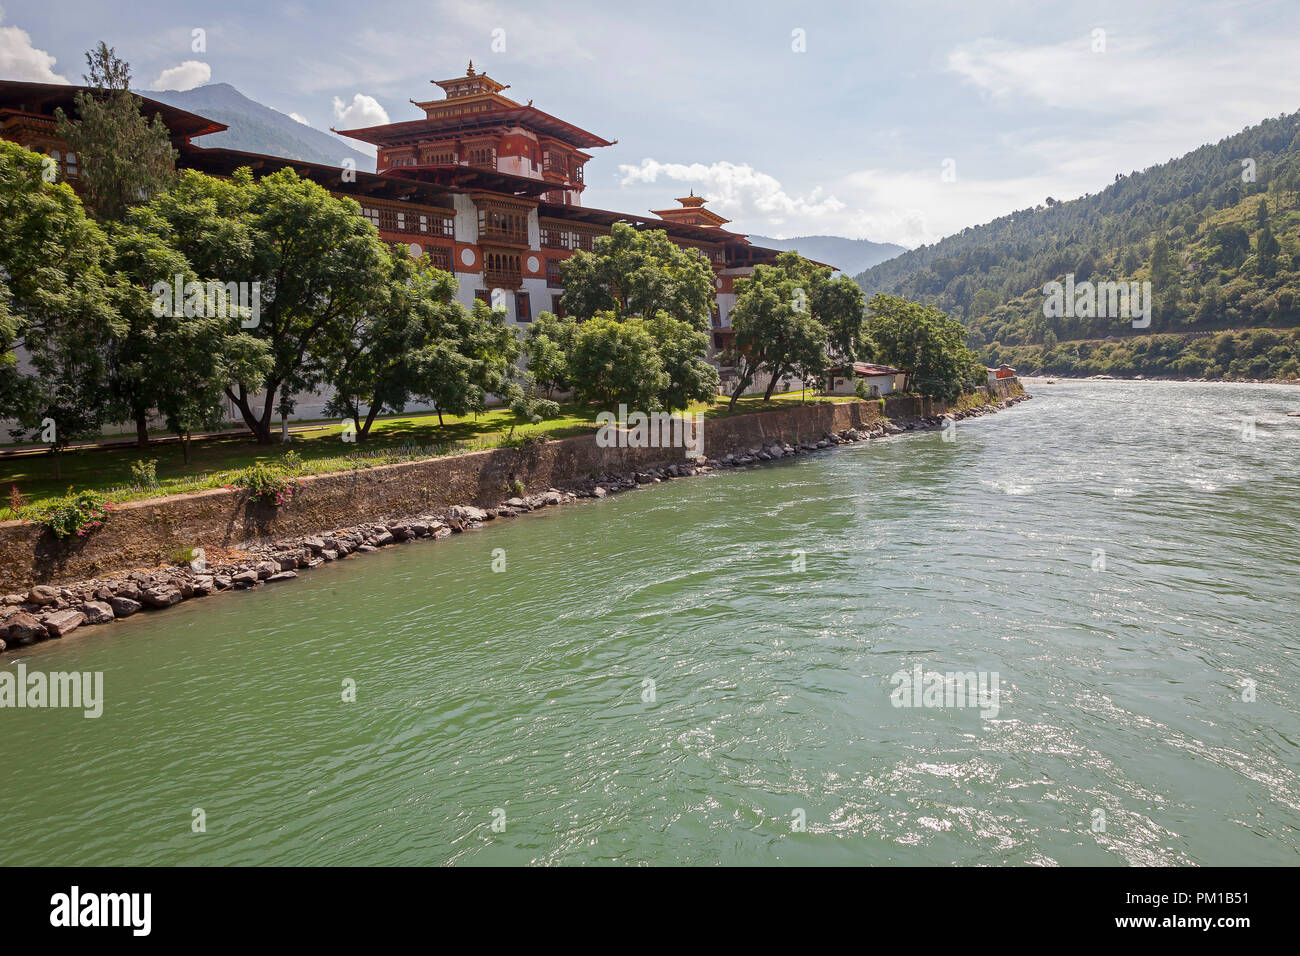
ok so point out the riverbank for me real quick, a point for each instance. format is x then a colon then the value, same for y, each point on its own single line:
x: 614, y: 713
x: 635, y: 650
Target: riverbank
x: 1042, y: 379
x: 50, y: 610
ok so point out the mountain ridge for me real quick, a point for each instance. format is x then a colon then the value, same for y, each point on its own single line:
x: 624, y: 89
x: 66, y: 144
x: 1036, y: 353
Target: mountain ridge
x: 257, y: 128
x: 850, y: 256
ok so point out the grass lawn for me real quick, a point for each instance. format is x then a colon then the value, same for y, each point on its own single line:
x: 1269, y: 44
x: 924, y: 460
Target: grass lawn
x: 317, y: 450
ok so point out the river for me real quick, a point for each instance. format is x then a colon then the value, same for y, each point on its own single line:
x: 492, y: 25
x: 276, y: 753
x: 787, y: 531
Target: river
x: 704, y: 671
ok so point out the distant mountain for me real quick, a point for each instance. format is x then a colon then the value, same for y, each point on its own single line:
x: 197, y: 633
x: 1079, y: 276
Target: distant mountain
x: 259, y: 129
x: 850, y: 256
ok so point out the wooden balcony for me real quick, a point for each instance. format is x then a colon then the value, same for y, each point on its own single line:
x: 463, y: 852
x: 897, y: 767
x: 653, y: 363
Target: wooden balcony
x: 502, y: 222
x: 502, y: 269
x: 514, y: 237
x: 561, y: 168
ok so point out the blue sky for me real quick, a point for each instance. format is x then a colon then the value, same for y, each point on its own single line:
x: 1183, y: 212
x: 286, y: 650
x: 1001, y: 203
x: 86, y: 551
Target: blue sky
x: 847, y: 136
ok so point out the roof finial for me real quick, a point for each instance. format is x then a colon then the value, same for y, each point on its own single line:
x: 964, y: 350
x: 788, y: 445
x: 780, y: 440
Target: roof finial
x: 470, y: 71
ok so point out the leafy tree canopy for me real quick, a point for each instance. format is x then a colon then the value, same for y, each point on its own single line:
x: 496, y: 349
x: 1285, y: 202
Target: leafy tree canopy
x: 776, y: 331
x: 318, y: 263
x: 55, y: 303
x: 639, y: 273
x: 617, y: 362
x: 926, y: 344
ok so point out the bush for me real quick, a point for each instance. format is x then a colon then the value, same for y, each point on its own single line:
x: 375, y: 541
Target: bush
x: 144, y: 473
x: 266, y: 483
x: 75, y: 514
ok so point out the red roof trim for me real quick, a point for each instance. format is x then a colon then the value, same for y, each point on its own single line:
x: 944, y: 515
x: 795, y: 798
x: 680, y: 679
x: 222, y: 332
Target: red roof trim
x: 550, y: 125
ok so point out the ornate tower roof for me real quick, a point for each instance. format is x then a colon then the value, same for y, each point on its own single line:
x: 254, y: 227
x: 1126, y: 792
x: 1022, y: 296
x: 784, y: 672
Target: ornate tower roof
x: 691, y: 213
x: 471, y: 84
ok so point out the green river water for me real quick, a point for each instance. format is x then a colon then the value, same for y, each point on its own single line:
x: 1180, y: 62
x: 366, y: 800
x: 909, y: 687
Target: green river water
x: 1120, y: 735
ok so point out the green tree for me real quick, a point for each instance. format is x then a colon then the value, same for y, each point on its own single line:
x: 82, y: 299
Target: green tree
x: 546, y: 347
x: 1231, y: 245
x: 526, y: 406
x: 140, y: 258
x: 617, y: 362
x: 1164, y: 267
x: 55, y: 306
x: 372, y: 369
x: 164, y: 357
x: 837, y: 304
x: 417, y: 343
x: 317, y: 261
x: 681, y: 348
x: 776, y: 332
x: 925, y: 343
x: 1267, y: 249
x: 638, y: 273
x: 124, y: 159
x: 984, y: 302
x: 472, y: 358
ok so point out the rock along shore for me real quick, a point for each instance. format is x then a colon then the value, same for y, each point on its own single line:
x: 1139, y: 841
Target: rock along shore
x: 48, y: 612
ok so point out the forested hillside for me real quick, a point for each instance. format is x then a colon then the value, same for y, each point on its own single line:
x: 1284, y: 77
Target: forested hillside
x: 1216, y: 233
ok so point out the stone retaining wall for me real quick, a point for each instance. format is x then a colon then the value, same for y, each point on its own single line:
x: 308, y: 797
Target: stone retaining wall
x: 145, y: 534
x: 141, y: 534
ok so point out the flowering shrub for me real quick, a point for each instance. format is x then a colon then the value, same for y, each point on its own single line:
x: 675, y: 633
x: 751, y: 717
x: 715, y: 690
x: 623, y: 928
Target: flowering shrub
x: 269, y: 484
x: 75, y: 514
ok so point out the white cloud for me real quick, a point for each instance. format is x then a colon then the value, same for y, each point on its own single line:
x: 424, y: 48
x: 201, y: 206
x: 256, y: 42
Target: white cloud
x: 187, y: 76
x: 1203, y: 93
x: 19, y: 60
x: 739, y: 191
x: 909, y: 208
x: 363, y: 111
x: 300, y: 118
x: 918, y: 206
